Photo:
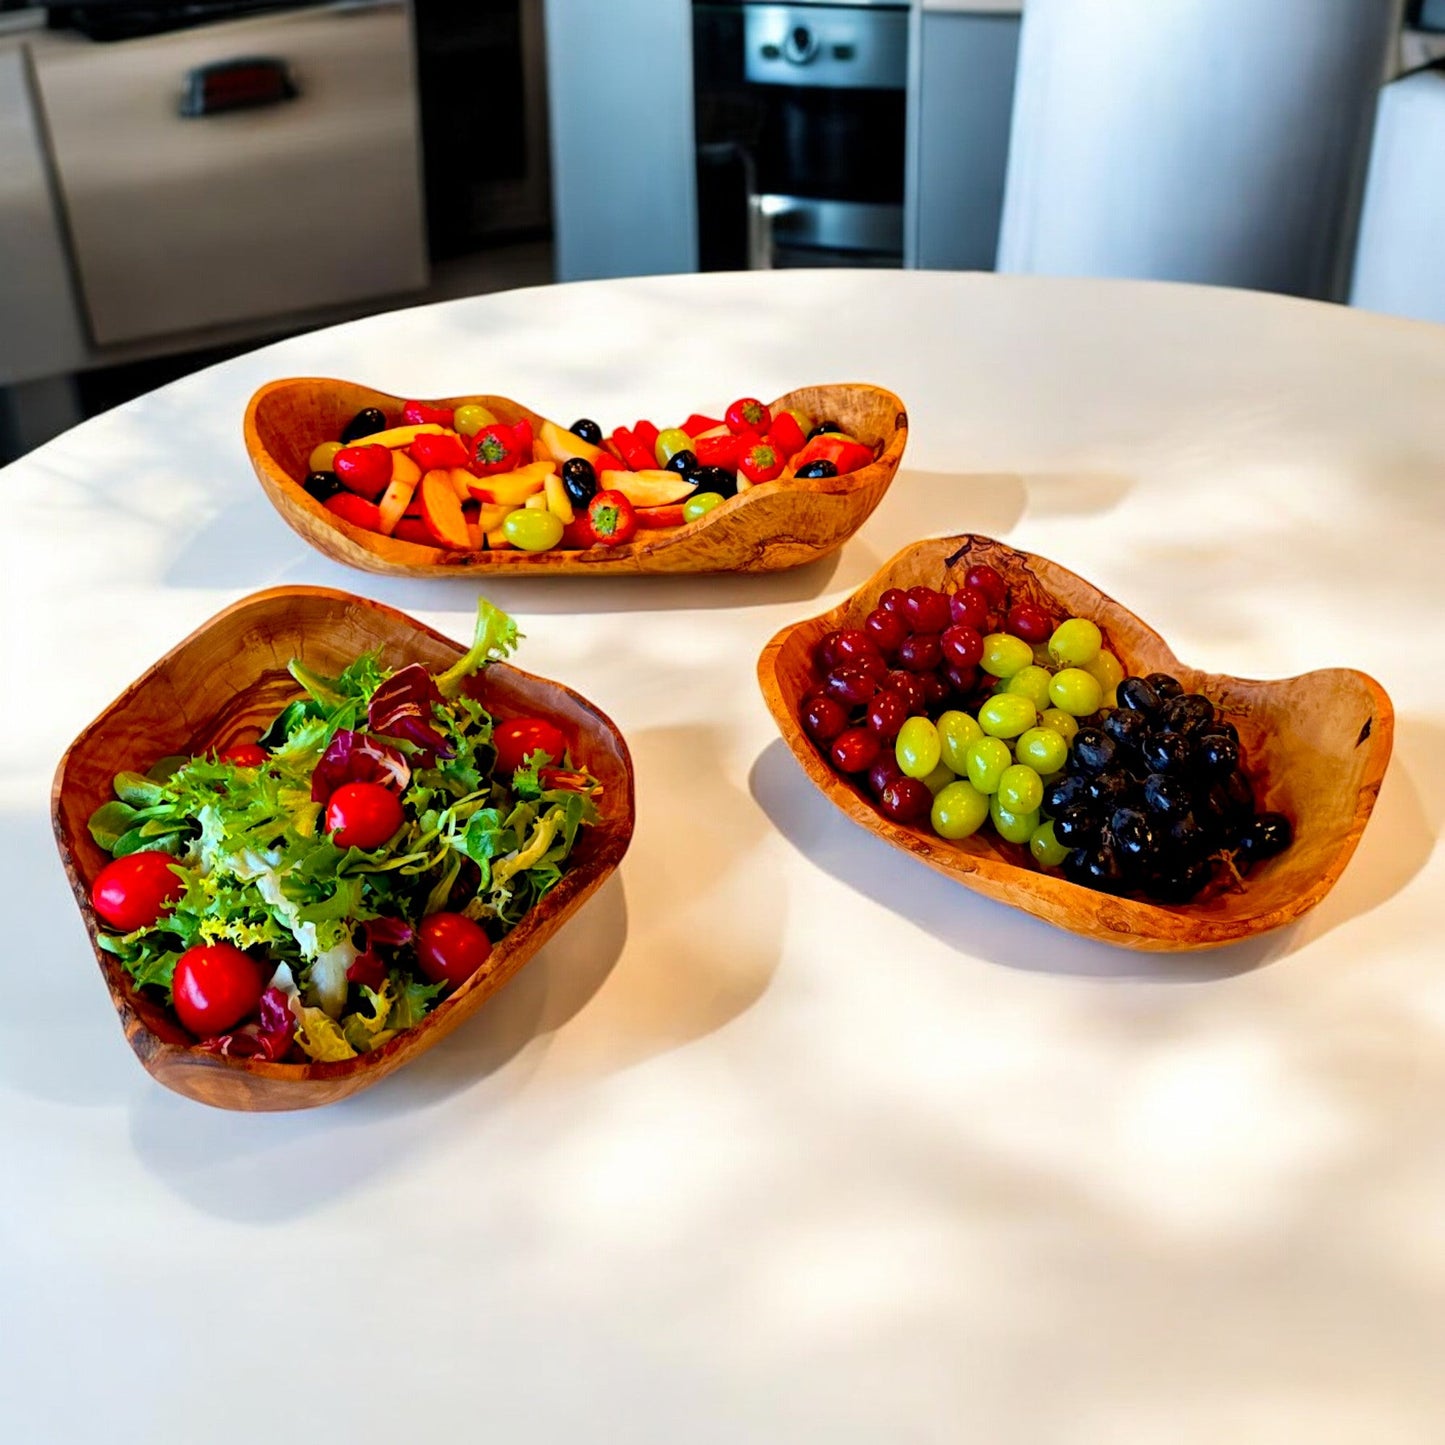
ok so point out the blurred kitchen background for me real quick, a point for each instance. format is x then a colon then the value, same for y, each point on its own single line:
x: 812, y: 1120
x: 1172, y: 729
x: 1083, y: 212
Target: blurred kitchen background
x: 184, y: 179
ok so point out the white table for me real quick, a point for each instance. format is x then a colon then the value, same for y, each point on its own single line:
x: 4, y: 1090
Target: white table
x: 786, y: 1138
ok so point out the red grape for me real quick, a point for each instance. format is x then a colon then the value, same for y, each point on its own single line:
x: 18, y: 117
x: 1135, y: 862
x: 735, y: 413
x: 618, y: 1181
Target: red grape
x: 850, y: 684
x: 886, y: 714
x: 961, y: 679
x: 855, y: 751
x: 853, y: 643
x: 962, y: 646
x: 892, y: 600
x: 886, y: 629
x: 825, y: 654
x: 883, y: 771
x: 969, y: 608
x: 824, y: 718
x: 1029, y: 621
x: 905, y: 800
x: 988, y: 581
x: 908, y: 685
x: 870, y: 662
x: 921, y: 652
x: 925, y: 609
x: 935, y: 690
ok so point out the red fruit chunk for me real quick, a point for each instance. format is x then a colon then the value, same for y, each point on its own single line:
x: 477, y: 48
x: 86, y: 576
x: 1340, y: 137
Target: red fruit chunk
x: 969, y: 608
x: 432, y: 450
x: 855, y: 751
x: 886, y: 630
x: 987, y: 581
x: 905, y: 800
x: 135, y: 891
x: 419, y: 413
x: 365, y: 470
x: 921, y: 652
x: 824, y: 718
x: 1029, y: 621
x: 850, y: 685
x: 356, y: 510
x: 926, y: 610
x: 413, y: 529
x: 962, y: 646
x: 887, y: 712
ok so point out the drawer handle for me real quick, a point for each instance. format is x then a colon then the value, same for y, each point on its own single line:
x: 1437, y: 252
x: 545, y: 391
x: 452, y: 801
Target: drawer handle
x: 242, y: 84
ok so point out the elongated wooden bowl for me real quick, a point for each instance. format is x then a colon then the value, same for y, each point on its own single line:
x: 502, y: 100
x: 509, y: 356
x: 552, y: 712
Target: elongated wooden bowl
x: 1315, y: 746
x: 221, y: 685
x: 766, y: 529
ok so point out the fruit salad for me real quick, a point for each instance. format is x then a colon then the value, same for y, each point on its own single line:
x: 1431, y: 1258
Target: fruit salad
x: 965, y: 709
x: 463, y: 480
x: 309, y: 894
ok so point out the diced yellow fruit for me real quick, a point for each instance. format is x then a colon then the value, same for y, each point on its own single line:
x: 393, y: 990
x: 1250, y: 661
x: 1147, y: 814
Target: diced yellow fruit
x: 558, y: 502
x: 561, y: 445
x: 497, y: 540
x: 717, y: 431
x: 652, y: 488
x: 400, y: 436
x: 511, y: 488
x: 474, y: 536
x: 492, y: 515
x: 403, y: 469
x: 537, y: 502
x: 395, y: 500
x: 462, y: 481
x: 743, y: 483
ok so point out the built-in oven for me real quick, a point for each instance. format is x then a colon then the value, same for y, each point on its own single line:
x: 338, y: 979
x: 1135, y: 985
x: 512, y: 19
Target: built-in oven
x: 800, y: 121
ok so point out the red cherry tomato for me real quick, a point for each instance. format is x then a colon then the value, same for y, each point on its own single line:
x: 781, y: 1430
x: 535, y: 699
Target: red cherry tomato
x: 746, y: 415
x: 612, y: 518
x: 363, y: 815
x: 519, y: 737
x: 420, y: 412
x: 215, y: 986
x: 365, y: 469
x: 134, y: 891
x: 450, y: 948
x: 244, y: 755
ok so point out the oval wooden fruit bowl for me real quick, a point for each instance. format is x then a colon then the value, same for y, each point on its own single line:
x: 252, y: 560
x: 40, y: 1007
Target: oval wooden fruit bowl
x: 767, y: 528
x: 1316, y: 747
x: 221, y: 685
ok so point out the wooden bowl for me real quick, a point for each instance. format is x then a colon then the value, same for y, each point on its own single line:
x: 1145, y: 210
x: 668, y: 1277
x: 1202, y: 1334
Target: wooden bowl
x: 1315, y: 746
x: 765, y: 529
x: 221, y: 685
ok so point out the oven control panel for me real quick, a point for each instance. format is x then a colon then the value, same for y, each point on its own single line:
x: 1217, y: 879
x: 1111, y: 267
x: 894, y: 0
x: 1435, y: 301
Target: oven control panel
x: 839, y: 47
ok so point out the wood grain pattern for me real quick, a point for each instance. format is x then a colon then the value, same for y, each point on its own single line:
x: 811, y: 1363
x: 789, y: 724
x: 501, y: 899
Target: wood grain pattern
x: 1316, y: 747
x: 765, y: 529
x: 221, y: 685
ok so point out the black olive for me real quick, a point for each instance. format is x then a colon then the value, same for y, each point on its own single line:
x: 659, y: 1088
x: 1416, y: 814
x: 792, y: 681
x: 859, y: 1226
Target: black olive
x: 1093, y: 750
x: 1164, y: 685
x: 579, y: 481
x: 1138, y: 695
x: 716, y: 479
x: 1268, y: 834
x: 826, y: 428
x: 322, y: 485
x: 821, y: 468
x: 588, y: 430
x: 366, y: 422
x: 684, y: 463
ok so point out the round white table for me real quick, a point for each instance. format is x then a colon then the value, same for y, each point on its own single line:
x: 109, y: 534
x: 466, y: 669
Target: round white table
x: 785, y: 1137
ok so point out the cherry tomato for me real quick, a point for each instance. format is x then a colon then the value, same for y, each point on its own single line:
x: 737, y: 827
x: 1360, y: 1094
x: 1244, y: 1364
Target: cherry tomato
x: 450, y: 948
x: 519, y: 737
x: 418, y: 412
x: 612, y: 518
x: 363, y: 815
x: 244, y: 755
x: 366, y: 470
x: 134, y: 891
x: 761, y: 462
x: 356, y: 510
x: 215, y: 987
x: 748, y: 415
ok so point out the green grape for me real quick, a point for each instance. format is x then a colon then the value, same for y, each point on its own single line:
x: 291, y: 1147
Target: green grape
x: 1031, y: 682
x: 1020, y: 790
x: 699, y: 505
x: 1007, y: 715
x: 986, y: 760
x: 1075, y: 642
x: 1076, y: 692
x: 471, y: 418
x: 939, y: 778
x: 1042, y: 749
x: 918, y: 748
x: 958, y: 810
x: 322, y: 456
x: 532, y: 529
x: 1058, y: 721
x: 1047, y: 850
x: 1108, y: 672
x: 1004, y: 655
x: 956, y: 730
x: 1012, y: 827
x: 669, y: 442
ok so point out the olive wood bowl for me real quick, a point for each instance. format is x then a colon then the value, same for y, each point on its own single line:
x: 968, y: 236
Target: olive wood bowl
x: 1314, y: 746
x: 221, y: 685
x: 767, y: 528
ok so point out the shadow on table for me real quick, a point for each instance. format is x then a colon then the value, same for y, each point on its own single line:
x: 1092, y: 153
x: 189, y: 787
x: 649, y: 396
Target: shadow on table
x: 986, y: 929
